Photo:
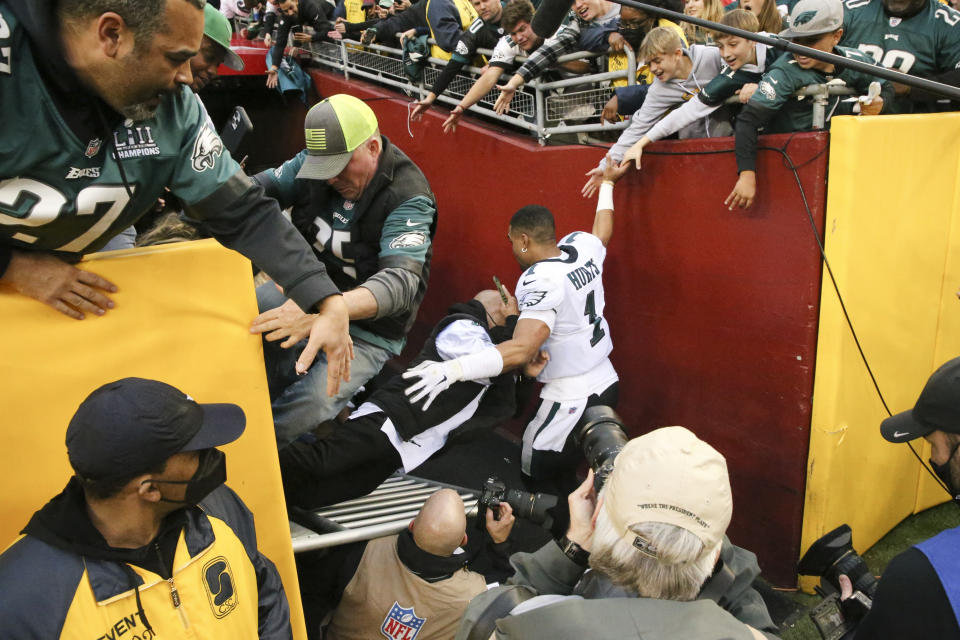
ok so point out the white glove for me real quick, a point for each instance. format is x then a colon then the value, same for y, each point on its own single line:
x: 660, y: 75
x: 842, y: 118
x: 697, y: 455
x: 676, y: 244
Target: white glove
x: 434, y: 378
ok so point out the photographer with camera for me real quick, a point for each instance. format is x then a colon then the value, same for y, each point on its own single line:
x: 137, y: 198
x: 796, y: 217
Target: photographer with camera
x: 660, y: 564
x: 416, y: 583
x: 919, y: 594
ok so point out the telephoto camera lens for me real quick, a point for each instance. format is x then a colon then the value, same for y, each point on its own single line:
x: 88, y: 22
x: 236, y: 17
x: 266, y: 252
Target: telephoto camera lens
x: 601, y: 436
x: 534, y: 507
x: 832, y: 555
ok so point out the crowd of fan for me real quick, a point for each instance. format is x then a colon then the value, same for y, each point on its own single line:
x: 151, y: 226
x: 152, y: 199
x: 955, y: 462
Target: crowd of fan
x: 678, y: 64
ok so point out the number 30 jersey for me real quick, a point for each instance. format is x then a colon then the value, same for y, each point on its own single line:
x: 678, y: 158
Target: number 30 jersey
x: 925, y: 44
x: 566, y: 293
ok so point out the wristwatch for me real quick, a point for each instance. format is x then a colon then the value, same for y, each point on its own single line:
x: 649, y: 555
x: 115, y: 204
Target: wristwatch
x: 574, y: 551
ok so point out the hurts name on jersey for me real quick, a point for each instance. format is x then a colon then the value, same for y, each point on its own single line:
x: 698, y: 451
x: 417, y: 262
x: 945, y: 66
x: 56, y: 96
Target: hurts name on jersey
x: 582, y: 276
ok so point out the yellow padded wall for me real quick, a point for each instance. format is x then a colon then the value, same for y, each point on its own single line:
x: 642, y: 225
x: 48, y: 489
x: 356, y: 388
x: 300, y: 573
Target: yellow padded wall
x: 892, y: 240
x: 182, y: 316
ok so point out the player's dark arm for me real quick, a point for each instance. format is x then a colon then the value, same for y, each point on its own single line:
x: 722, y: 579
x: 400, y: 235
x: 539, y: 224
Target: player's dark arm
x: 603, y: 221
x: 527, y: 339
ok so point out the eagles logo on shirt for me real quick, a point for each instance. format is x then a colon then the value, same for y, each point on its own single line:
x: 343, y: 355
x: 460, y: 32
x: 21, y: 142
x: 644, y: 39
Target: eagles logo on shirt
x: 532, y: 298
x: 412, y: 239
x: 401, y: 623
x: 206, y: 149
x: 767, y: 90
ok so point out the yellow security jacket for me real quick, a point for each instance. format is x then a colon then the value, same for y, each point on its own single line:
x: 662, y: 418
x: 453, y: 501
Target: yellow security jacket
x: 221, y: 586
x: 447, y: 19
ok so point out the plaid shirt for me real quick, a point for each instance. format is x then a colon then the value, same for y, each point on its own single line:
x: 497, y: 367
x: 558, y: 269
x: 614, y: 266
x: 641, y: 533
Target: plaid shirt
x: 564, y: 41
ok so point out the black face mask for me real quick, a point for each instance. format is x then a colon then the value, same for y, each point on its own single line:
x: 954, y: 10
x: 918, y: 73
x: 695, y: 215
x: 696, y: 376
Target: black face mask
x: 633, y: 37
x: 211, y: 473
x: 943, y: 472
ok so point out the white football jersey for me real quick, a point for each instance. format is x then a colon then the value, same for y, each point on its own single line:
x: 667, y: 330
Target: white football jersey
x: 566, y: 293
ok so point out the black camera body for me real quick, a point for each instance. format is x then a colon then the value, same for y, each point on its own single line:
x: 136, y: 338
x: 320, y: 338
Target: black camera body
x: 601, y: 435
x: 529, y: 506
x: 830, y: 557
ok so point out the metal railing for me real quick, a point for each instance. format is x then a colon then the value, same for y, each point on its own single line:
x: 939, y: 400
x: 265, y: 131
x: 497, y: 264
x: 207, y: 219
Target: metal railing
x: 385, y: 511
x: 541, y: 107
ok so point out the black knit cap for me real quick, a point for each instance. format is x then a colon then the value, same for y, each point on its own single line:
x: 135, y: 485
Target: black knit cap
x: 132, y: 425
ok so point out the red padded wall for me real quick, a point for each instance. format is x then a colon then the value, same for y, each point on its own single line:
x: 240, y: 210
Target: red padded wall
x: 713, y: 313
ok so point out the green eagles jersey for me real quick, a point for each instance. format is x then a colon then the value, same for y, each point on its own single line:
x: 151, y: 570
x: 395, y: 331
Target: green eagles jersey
x: 785, y: 78
x: 923, y: 45
x: 59, y: 193
x: 729, y: 81
x: 337, y: 230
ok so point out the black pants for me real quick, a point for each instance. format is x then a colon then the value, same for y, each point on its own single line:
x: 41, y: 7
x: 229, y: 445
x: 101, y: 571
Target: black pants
x: 555, y: 472
x: 349, y: 463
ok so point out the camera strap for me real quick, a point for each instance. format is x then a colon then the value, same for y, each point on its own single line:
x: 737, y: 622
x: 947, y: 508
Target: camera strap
x: 505, y: 602
x: 718, y: 585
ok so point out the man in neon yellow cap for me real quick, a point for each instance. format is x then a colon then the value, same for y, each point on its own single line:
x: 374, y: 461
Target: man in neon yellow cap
x: 370, y: 215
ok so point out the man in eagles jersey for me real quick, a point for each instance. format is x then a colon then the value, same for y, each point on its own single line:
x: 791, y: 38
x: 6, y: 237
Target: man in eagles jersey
x: 919, y: 37
x: 97, y: 120
x: 561, y: 305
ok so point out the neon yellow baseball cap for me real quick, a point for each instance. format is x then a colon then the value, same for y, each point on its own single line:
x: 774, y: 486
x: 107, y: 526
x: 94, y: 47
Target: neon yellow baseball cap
x: 334, y: 128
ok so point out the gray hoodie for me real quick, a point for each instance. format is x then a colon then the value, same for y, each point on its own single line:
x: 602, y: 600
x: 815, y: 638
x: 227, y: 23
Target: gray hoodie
x: 664, y: 96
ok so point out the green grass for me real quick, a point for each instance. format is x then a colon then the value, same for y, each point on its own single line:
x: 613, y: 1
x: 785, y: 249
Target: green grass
x: 912, y: 530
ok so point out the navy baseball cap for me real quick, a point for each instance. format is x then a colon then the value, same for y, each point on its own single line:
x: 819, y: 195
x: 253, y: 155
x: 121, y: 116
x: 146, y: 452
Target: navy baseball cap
x: 937, y: 408
x: 132, y: 425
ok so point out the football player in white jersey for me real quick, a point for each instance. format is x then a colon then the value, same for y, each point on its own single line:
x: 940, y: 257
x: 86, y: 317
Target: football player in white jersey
x: 561, y: 303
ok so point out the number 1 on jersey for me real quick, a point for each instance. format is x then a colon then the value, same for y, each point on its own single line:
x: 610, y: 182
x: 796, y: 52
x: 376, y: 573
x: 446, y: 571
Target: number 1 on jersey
x: 590, y: 311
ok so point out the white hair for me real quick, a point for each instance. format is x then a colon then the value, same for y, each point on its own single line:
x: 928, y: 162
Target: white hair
x: 678, y: 571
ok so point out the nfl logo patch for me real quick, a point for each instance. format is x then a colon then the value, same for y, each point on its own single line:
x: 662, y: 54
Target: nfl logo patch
x: 347, y: 205
x: 572, y: 411
x: 401, y: 624
x: 895, y: 21
x: 93, y: 147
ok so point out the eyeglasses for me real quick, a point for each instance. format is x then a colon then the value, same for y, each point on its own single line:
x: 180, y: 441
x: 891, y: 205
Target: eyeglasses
x: 809, y: 41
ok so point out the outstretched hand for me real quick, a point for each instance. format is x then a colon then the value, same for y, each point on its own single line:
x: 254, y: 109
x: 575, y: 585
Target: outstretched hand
x: 613, y: 172
x: 288, y: 322
x: 422, y: 107
x: 450, y: 124
x: 743, y: 192
x: 506, y: 96
x: 71, y: 291
x: 594, y: 180
x: 330, y: 332
x: 634, y: 153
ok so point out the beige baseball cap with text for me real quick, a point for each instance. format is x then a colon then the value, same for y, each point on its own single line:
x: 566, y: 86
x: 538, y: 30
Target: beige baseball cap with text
x: 670, y: 476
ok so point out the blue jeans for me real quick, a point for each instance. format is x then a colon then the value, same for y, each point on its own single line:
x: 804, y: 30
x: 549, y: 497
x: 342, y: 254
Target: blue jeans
x: 300, y: 403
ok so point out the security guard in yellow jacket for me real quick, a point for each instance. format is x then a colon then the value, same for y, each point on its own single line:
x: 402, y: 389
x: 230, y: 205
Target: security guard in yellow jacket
x: 145, y: 541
